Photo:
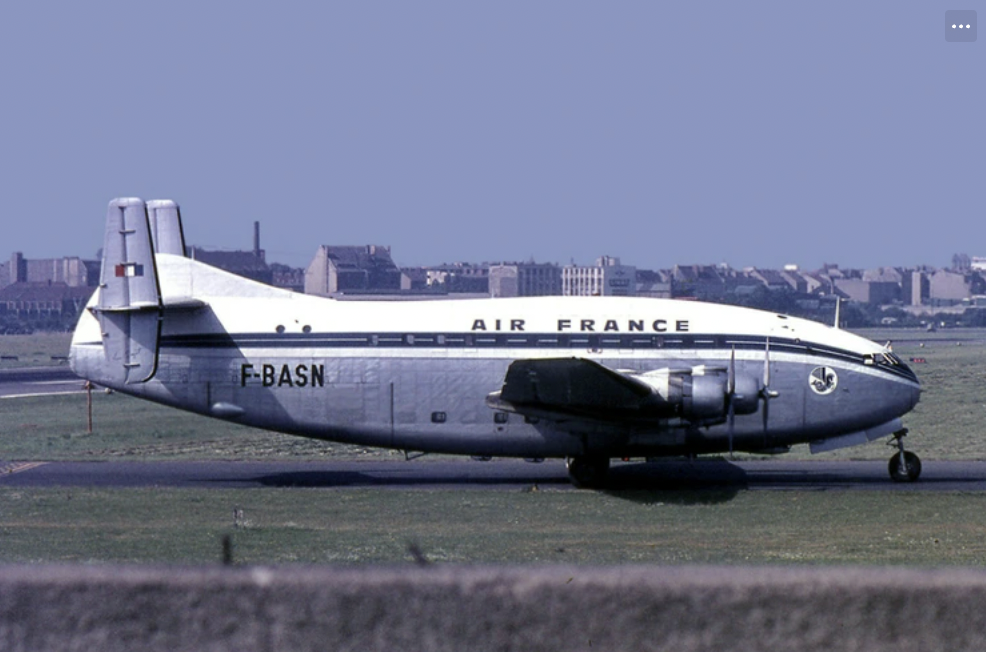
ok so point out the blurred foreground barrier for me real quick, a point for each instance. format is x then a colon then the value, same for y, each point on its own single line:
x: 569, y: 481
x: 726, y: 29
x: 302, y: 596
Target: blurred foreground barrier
x: 110, y: 608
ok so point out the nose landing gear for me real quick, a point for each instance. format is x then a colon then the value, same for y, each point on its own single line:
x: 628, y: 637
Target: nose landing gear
x: 904, y: 466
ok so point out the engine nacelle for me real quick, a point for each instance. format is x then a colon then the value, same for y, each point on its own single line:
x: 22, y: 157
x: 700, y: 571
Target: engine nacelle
x: 702, y: 395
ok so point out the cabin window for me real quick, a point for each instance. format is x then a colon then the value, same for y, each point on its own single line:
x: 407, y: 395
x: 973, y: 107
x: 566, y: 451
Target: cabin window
x: 439, y: 417
x: 279, y: 329
x: 306, y: 329
x: 531, y: 419
x: 499, y: 417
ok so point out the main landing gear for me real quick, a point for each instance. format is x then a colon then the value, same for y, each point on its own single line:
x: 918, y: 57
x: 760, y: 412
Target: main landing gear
x: 904, y: 466
x: 587, y: 472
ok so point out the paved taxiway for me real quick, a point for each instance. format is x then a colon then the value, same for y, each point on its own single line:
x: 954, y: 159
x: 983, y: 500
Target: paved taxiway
x: 438, y: 473
x: 42, y: 381
x: 498, y: 474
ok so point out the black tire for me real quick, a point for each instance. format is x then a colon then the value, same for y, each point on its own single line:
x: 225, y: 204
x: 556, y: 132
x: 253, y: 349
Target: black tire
x: 907, y: 471
x: 588, y: 472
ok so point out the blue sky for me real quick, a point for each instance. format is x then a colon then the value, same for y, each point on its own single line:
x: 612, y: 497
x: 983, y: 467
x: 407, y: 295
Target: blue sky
x: 755, y: 133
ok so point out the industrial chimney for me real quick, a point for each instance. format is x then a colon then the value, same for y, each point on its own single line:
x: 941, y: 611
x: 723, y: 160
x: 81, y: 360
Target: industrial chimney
x: 256, y: 241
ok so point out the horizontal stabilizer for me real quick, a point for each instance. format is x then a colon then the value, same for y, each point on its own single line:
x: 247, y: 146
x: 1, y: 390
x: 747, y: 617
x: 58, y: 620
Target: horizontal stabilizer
x: 129, y: 305
x: 183, y: 304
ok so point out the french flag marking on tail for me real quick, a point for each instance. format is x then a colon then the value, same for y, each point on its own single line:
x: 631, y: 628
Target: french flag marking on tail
x: 129, y: 269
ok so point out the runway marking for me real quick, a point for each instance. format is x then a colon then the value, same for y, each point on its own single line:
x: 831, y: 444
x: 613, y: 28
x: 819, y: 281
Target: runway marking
x: 19, y: 467
x: 72, y: 393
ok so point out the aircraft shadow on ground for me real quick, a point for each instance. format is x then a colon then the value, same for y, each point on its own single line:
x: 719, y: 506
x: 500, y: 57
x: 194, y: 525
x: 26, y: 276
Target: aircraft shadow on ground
x: 330, y: 479
x: 679, y: 482
x: 683, y: 482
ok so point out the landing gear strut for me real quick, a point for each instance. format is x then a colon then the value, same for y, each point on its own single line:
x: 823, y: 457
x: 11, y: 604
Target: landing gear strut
x: 587, y: 472
x: 904, y: 466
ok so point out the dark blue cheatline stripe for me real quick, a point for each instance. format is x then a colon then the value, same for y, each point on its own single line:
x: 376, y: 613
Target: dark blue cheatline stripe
x: 541, y: 341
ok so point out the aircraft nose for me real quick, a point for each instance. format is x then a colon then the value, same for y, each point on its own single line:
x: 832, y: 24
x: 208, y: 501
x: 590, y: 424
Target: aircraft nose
x: 909, y: 395
x: 913, y: 392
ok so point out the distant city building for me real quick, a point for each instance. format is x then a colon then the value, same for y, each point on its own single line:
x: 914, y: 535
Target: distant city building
x: 42, y: 291
x: 771, y: 278
x: 606, y: 278
x: 43, y: 301
x: 242, y: 263
x: 414, y: 279
x: 884, y: 275
x: 459, y: 278
x: 915, y: 288
x: 816, y: 283
x: 70, y: 270
x: 248, y: 264
x: 877, y: 286
x: 706, y: 282
x: 341, y: 269
x: 950, y: 288
x: 288, y: 278
x: 525, y: 280
x: 795, y: 279
x: 654, y: 284
x: 862, y: 291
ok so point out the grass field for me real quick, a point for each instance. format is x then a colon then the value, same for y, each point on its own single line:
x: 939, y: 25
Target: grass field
x: 55, y: 428
x: 357, y: 526
x: 37, y: 350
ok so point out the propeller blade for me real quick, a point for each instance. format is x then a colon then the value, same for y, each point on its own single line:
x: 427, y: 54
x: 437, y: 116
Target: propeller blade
x: 766, y: 366
x: 732, y: 426
x: 731, y: 375
x: 730, y: 396
x: 766, y: 413
x: 765, y: 393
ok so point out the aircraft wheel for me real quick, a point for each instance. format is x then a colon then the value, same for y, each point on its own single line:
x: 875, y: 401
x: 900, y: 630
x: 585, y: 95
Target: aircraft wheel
x: 587, y: 472
x: 906, y: 470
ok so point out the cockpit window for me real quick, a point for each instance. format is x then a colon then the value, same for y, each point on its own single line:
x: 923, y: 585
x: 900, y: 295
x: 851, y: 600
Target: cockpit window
x: 886, y: 358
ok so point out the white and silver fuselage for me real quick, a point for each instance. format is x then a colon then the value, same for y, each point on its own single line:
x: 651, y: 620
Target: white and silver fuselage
x: 420, y: 375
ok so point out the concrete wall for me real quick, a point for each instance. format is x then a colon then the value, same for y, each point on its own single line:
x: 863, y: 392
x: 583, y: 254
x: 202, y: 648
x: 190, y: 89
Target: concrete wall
x: 110, y: 608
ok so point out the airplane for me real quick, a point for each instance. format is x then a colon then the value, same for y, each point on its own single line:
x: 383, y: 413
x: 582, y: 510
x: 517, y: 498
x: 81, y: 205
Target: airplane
x: 587, y: 379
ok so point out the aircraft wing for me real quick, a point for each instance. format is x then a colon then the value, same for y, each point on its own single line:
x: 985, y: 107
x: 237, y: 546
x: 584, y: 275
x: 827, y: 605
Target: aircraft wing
x: 577, y: 387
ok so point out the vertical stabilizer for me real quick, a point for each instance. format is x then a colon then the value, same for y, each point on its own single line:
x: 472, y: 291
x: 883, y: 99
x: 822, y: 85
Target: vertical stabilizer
x: 167, y: 235
x: 129, y: 306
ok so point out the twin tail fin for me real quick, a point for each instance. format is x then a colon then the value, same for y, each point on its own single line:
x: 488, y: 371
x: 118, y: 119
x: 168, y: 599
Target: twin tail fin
x: 129, y: 307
